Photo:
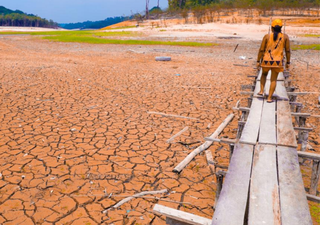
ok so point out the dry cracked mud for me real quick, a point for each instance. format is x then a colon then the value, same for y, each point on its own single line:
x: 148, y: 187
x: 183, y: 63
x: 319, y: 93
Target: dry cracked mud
x: 76, y: 136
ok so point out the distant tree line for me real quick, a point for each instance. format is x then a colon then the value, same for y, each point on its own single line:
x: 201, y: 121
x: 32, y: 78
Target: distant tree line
x: 189, y: 4
x: 22, y: 20
x: 94, y: 24
x: 18, y: 18
x: 210, y: 10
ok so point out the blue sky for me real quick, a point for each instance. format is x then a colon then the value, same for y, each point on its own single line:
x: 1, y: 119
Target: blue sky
x: 71, y: 11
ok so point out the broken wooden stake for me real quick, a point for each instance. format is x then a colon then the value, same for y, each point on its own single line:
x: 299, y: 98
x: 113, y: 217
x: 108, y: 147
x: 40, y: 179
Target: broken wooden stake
x: 177, y: 134
x: 315, y: 177
x: 204, y: 146
x: 235, y: 49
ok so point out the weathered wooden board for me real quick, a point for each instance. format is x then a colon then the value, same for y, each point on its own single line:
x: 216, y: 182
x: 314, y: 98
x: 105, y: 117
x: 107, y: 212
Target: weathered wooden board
x: 232, y: 203
x: 267, y: 134
x: 281, y: 91
x: 293, y: 201
x: 264, y: 206
x: 251, y: 128
x: 285, y: 133
x: 181, y: 216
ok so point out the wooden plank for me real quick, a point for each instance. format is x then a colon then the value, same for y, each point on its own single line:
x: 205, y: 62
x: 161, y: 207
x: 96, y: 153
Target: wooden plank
x: 180, y: 215
x: 267, y: 134
x: 232, y: 203
x: 281, y: 92
x: 177, y: 134
x: 314, y: 177
x: 309, y: 155
x: 204, y: 146
x: 251, y: 128
x: 293, y: 201
x: 313, y: 198
x: 170, y: 221
x: 264, y: 206
x: 285, y: 133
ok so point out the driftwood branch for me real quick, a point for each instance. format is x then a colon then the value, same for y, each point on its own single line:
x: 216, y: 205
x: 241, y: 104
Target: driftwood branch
x: 192, y: 87
x: 177, y: 134
x: 171, y: 115
x: 135, y: 196
x: 204, y: 146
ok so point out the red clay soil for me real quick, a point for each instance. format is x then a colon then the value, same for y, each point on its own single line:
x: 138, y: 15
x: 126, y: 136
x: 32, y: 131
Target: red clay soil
x: 75, y: 131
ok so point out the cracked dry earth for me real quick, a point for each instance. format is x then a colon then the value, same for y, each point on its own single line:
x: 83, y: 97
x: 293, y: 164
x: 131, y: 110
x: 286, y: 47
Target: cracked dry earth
x: 76, y: 136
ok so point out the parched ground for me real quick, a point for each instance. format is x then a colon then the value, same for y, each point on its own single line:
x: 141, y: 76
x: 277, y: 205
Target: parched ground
x: 76, y: 136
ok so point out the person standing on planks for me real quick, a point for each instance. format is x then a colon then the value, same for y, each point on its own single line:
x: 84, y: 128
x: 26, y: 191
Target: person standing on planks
x: 270, y: 56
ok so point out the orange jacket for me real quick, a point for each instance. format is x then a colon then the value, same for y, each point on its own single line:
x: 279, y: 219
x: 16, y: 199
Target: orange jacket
x: 271, y: 51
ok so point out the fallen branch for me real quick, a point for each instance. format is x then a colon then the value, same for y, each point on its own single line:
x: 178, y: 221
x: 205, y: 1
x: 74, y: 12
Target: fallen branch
x: 235, y: 48
x: 240, y: 65
x: 135, y: 196
x: 204, y: 146
x: 145, y: 197
x: 171, y: 115
x: 177, y: 134
x: 237, y: 104
x: 196, y: 87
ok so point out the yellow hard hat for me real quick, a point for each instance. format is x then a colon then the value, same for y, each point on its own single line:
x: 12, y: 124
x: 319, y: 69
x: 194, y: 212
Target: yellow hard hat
x: 276, y: 22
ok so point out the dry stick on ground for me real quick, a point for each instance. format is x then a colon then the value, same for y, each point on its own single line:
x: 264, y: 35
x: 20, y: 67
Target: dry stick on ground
x: 240, y: 65
x: 135, y: 196
x: 145, y: 197
x: 196, y: 87
x: 204, y: 146
x: 171, y: 115
x: 177, y: 134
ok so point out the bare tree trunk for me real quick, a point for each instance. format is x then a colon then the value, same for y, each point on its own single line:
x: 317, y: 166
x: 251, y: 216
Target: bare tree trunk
x: 180, y: 4
x: 147, y: 9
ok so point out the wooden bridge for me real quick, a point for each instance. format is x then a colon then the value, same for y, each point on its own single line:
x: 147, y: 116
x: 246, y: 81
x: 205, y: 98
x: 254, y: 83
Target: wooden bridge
x: 263, y: 184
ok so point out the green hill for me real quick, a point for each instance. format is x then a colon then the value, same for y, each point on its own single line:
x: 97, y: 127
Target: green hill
x: 9, y: 17
x: 5, y: 11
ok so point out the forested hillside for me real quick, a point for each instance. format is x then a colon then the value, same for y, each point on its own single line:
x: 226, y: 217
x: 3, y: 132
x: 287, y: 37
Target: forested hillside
x: 188, y: 4
x: 94, y: 24
x: 18, y: 18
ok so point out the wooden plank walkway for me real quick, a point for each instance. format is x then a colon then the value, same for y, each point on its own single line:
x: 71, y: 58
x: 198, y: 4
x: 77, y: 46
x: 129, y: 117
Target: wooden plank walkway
x: 264, y: 206
x: 285, y: 133
x: 294, y: 206
x: 280, y: 93
x: 232, y: 202
x: 251, y: 129
x: 267, y: 133
x: 268, y: 189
